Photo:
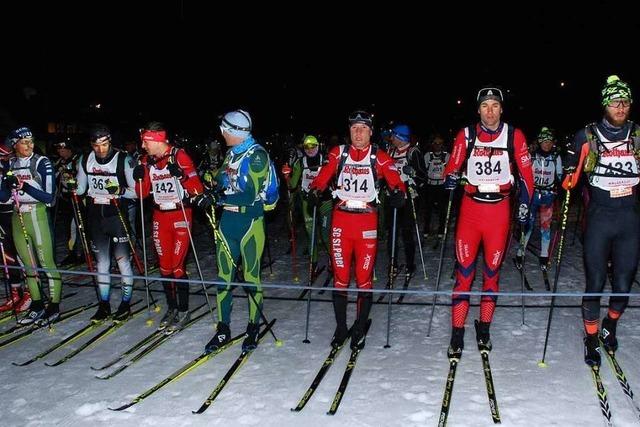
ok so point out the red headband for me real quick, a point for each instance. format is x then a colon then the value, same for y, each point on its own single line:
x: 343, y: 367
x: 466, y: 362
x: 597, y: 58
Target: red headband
x: 154, y: 135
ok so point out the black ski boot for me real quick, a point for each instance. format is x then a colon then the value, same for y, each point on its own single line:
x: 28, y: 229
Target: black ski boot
x: 519, y: 259
x: 51, y: 314
x: 608, y: 335
x: 35, y: 313
x: 544, y: 263
x: 339, y: 336
x: 179, y: 322
x: 592, y: 350
x: 251, y: 341
x: 103, y: 313
x: 358, y: 338
x: 482, y: 336
x: 457, y: 343
x: 409, y: 271
x: 221, y: 337
x: 167, y: 319
x: 123, y: 312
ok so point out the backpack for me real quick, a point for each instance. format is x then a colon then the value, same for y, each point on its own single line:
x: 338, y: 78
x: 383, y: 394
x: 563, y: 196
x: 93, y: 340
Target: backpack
x: 594, y: 142
x: 33, y: 167
x: 471, y: 142
x: 270, y: 193
x: 344, y: 154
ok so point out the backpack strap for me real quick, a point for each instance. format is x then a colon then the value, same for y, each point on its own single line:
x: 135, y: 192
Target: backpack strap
x: 33, y: 168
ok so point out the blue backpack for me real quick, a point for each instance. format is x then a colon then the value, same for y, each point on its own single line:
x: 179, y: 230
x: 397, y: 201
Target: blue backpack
x: 270, y: 192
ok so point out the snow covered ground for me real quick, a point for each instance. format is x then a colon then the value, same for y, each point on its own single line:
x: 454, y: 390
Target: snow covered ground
x: 399, y: 386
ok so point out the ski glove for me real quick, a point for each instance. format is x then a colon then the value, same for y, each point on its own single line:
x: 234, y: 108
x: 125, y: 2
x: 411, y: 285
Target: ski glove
x: 72, y: 184
x: 11, y: 182
x: 204, y: 200
x: 523, y: 213
x: 409, y: 170
x: 112, y: 187
x: 313, y: 198
x: 175, y: 170
x: 451, y: 182
x: 138, y: 173
x: 397, y: 199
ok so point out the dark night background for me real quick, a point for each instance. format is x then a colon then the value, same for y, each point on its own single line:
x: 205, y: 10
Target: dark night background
x: 304, y: 68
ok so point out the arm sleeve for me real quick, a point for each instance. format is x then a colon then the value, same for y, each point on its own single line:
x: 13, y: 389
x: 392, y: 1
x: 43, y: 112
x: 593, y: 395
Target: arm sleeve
x: 327, y: 171
x: 295, y: 174
x: 458, y: 154
x: 387, y: 169
x: 143, y: 190
x: 81, y: 178
x: 130, y: 190
x: 522, y: 158
x: 191, y: 181
x: 47, y: 194
x: 416, y: 160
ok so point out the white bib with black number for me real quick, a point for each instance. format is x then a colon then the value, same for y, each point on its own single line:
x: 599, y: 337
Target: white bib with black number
x: 97, y: 177
x: 544, y: 170
x: 165, y: 193
x: 616, y: 159
x: 356, y: 186
x: 488, y: 164
x: 308, y: 174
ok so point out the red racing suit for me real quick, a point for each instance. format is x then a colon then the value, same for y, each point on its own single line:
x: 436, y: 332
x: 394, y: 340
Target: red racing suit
x: 170, y: 236
x: 355, y: 218
x: 484, y: 214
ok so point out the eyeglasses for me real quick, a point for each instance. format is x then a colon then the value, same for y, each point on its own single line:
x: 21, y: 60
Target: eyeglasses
x: 620, y: 103
x: 26, y: 141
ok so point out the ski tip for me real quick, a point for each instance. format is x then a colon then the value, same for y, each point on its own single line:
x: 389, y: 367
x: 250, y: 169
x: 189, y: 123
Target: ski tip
x: 100, y: 378
x: 121, y: 408
x: 52, y: 364
x: 542, y: 364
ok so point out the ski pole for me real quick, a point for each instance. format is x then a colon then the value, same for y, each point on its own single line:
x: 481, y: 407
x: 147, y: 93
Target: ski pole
x: 563, y: 227
x: 415, y: 223
x: 268, y: 247
x: 443, y: 244
x: 195, y: 253
x: 144, y: 257
x: 292, y: 231
x: 523, y: 237
x: 219, y: 238
x: 32, y: 260
x: 391, y: 273
x: 311, y: 248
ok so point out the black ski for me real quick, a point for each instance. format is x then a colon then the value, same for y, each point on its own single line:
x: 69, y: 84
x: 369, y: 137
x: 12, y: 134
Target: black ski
x: 622, y: 380
x: 491, y: 392
x: 24, y: 332
x: 77, y: 334
x: 448, y: 392
x: 603, y: 400
x: 389, y: 282
x: 181, y: 372
x: 244, y: 356
x: 326, y: 365
x: 317, y: 274
x: 115, y: 325
x: 526, y: 281
x: 148, y: 349
x: 351, y: 365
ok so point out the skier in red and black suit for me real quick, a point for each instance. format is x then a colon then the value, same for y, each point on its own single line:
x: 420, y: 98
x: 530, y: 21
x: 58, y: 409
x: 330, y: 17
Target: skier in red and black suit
x: 608, y: 152
x: 356, y: 168
x: 168, y: 174
x: 485, y: 154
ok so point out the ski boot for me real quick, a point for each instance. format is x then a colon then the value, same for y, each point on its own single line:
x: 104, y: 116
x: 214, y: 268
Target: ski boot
x: 179, y: 321
x: 608, y: 335
x: 592, y: 350
x: 482, y: 336
x: 70, y: 260
x: 103, y: 313
x: 519, y: 259
x: 358, y: 338
x: 25, y: 302
x: 457, y: 343
x: 251, y: 341
x: 221, y: 337
x: 51, y: 314
x: 544, y: 263
x: 409, y: 271
x: 167, y: 319
x: 339, y: 336
x: 11, y: 301
x: 35, y: 313
x: 123, y: 312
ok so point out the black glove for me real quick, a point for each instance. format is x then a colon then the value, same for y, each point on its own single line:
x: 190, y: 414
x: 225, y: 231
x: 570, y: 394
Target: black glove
x: 523, y: 213
x: 397, y: 199
x: 112, y: 187
x: 451, y: 182
x: 314, y: 198
x: 11, y: 182
x: 72, y: 184
x: 138, y: 173
x: 409, y: 170
x: 175, y: 170
x: 204, y: 200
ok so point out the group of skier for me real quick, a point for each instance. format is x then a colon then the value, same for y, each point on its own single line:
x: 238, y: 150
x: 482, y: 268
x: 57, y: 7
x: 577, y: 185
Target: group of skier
x: 341, y: 192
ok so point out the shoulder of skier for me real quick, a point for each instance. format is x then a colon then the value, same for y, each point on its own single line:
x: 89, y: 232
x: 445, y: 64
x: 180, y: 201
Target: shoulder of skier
x: 386, y: 167
x: 458, y: 153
